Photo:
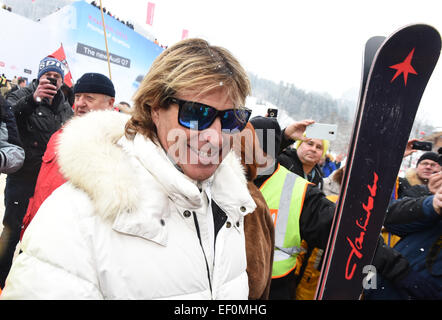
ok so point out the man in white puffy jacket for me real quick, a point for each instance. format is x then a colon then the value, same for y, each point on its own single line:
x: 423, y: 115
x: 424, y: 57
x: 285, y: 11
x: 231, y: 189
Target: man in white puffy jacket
x: 154, y: 205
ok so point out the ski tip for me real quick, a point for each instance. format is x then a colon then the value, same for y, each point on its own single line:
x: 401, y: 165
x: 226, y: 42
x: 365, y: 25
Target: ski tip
x: 420, y: 27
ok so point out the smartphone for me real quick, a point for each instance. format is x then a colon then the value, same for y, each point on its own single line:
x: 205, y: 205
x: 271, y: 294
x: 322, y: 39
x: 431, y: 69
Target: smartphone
x: 53, y: 81
x: 322, y: 131
x: 422, y: 145
x: 272, y: 113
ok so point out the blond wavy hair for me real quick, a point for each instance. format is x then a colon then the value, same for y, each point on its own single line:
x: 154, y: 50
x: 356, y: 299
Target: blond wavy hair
x: 189, y: 65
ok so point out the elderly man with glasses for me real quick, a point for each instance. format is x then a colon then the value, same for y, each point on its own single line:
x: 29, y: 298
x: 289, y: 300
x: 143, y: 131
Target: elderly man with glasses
x: 417, y: 181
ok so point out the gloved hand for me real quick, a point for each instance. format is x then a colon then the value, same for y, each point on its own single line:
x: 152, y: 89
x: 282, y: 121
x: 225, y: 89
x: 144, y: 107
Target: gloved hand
x: 417, y: 286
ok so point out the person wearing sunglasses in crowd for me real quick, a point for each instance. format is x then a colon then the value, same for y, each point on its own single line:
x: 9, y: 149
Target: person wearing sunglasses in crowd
x: 154, y: 206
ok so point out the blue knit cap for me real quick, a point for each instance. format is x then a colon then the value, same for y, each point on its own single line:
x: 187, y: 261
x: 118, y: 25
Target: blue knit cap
x: 50, y: 64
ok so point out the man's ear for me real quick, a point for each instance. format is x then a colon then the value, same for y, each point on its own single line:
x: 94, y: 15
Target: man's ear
x: 111, y: 103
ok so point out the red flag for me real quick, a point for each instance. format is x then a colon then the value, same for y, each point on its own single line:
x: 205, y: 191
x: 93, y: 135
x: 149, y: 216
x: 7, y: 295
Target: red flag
x: 185, y: 34
x: 59, y: 54
x: 150, y: 12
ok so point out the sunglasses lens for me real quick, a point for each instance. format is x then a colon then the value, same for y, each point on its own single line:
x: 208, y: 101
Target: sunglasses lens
x: 235, y: 119
x: 195, y: 116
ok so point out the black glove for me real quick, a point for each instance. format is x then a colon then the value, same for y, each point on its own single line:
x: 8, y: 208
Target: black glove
x: 417, y: 286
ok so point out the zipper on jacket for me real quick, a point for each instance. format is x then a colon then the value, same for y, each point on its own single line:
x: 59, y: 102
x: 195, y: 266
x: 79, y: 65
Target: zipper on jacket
x: 202, y: 248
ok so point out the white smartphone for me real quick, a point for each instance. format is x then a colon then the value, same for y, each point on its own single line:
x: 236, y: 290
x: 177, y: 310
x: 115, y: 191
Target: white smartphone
x: 321, y: 131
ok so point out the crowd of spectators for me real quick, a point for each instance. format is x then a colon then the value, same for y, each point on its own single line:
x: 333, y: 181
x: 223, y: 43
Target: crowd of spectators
x: 127, y: 23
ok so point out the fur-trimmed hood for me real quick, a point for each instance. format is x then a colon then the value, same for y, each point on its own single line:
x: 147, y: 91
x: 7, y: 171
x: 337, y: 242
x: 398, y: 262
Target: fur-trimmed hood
x: 412, y: 177
x: 96, y: 157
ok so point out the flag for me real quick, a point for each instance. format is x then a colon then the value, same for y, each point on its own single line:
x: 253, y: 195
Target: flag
x: 185, y: 34
x: 150, y: 12
x: 59, y: 54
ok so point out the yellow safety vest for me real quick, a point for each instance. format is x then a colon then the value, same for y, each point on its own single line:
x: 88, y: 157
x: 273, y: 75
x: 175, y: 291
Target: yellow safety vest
x: 284, y: 193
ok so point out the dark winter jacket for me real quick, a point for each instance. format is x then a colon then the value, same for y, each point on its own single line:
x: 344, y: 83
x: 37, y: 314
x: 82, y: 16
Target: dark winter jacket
x: 288, y: 158
x: 420, y: 229
x: 411, y: 186
x: 12, y: 154
x: 36, y: 123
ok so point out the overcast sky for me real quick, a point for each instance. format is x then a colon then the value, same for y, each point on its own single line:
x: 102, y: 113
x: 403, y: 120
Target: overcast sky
x: 317, y: 45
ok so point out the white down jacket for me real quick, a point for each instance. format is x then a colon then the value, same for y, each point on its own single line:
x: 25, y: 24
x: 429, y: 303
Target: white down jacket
x: 123, y: 225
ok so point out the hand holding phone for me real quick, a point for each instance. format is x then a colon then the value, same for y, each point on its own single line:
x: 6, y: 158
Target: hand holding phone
x: 45, y: 90
x: 422, y: 145
x: 296, y: 130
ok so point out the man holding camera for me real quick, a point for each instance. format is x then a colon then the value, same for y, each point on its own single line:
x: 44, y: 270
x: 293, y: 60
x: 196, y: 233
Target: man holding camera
x: 40, y: 109
x: 417, y: 181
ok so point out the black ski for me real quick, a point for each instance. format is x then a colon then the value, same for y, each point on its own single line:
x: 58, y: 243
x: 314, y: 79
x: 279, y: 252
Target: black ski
x: 371, y: 47
x: 388, y: 103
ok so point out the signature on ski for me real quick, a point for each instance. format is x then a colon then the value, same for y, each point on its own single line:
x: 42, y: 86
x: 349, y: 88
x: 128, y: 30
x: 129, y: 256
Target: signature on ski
x: 357, y: 244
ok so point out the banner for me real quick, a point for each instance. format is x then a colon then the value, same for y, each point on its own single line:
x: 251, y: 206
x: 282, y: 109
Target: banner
x: 80, y: 29
x: 150, y: 12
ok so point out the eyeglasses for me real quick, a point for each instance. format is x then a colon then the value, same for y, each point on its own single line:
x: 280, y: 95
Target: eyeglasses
x: 198, y: 116
x: 428, y: 164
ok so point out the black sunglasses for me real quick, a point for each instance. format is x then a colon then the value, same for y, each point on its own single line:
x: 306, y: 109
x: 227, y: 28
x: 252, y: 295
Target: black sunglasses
x: 198, y: 116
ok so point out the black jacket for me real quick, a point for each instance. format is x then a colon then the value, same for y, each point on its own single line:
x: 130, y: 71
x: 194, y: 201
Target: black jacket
x: 420, y: 229
x: 36, y: 123
x: 406, y: 189
x: 12, y: 154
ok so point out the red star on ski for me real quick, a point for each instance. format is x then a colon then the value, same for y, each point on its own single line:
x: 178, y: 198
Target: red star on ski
x: 404, y: 67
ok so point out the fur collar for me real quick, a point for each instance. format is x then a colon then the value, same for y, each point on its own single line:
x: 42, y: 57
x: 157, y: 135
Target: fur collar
x: 412, y: 177
x: 95, y: 157
x: 90, y: 159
